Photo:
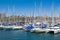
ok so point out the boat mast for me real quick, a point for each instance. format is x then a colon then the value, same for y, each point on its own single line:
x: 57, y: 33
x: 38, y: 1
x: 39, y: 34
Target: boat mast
x: 45, y: 16
x: 25, y: 17
x: 16, y: 13
x: 34, y: 11
x: 2, y: 16
x: 8, y: 14
x: 30, y: 17
x: 40, y: 9
x: 52, y: 14
x: 59, y: 14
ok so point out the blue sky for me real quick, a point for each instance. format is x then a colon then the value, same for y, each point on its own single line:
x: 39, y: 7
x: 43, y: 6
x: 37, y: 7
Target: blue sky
x: 27, y: 6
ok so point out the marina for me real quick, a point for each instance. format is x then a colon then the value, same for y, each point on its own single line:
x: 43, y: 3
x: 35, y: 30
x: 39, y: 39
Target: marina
x: 32, y: 29
x: 29, y: 19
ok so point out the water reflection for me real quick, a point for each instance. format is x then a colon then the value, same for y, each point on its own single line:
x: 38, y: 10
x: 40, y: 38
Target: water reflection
x: 22, y: 35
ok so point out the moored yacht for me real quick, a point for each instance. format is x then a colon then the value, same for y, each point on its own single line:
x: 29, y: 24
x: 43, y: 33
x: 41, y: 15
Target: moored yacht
x: 38, y: 30
x: 54, y: 29
x: 7, y: 26
x: 41, y: 28
x: 17, y: 27
x: 28, y: 27
x: 1, y: 27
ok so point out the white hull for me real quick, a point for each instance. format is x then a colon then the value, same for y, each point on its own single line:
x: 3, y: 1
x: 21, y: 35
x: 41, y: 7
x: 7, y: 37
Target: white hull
x: 54, y: 30
x: 12, y: 27
x: 17, y: 27
x: 1, y: 27
x: 7, y: 27
x: 38, y: 30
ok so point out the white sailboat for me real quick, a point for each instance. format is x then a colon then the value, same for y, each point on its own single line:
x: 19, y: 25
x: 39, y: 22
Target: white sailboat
x: 53, y: 29
x: 1, y: 26
x: 1, y: 22
x: 37, y: 27
x: 8, y: 27
x: 16, y: 27
x: 28, y: 25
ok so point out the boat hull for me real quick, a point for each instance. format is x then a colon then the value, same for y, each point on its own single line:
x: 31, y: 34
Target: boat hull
x: 38, y: 30
x: 1, y: 28
x: 17, y: 28
x: 7, y: 29
x: 52, y: 31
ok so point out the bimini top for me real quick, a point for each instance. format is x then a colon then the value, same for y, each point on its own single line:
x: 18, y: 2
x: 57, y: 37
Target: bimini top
x: 43, y: 25
x: 29, y: 27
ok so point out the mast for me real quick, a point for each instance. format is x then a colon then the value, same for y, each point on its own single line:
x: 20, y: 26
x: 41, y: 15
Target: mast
x: 3, y: 16
x: 30, y: 17
x: 40, y: 9
x: 8, y: 14
x: 25, y: 16
x: 59, y: 14
x: 52, y: 13
x: 34, y: 11
x: 14, y: 13
x: 45, y: 16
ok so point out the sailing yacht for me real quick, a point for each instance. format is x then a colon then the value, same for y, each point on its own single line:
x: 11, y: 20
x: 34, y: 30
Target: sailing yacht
x: 53, y: 29
x: 8, y: 25
x: 29, y: 26
x: 39, y: 27
x: 16, y: 27
x: 1, y: 27
x: 7, y: 28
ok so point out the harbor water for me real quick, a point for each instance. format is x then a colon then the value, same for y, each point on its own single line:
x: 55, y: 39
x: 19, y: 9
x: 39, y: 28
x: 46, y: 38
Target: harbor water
x: 22, y: 35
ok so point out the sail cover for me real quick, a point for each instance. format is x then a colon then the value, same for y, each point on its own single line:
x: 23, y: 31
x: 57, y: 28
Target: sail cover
x: 29, y: 27
x: 43, y: 25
